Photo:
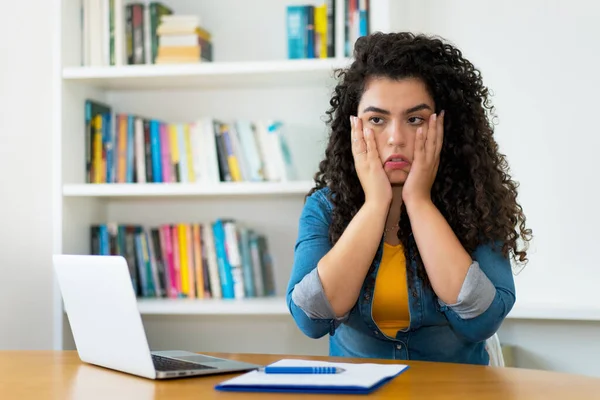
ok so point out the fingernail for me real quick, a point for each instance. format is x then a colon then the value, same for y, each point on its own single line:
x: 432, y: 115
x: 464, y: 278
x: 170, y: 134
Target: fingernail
x: 434, y: 117
x: 419, y: 131
x: 351, y: 120
x: 366, y: 132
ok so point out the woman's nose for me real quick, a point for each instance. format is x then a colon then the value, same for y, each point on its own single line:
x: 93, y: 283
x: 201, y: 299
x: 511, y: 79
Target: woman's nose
x: 396, y: 135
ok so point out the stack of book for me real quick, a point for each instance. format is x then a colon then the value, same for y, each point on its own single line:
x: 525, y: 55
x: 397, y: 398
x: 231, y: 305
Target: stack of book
x: 181, y: 39
x: 311, y: 29
x: 222, y: 259
x: 123, y: 32
x: 126, y: 148
x: 120, y: 32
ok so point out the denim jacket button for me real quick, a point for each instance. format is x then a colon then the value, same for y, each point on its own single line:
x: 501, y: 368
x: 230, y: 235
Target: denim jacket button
x: 399, y: 346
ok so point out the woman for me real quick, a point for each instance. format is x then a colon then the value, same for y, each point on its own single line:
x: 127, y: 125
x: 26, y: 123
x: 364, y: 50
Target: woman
x: 404, y: 244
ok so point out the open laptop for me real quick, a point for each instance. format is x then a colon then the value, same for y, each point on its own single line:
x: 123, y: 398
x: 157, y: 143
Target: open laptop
x: 107, y: 327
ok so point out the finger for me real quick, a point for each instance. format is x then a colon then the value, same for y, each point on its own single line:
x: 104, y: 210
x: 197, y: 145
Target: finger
x: 440, y: 134
x: 431, y: 137
x: 358, y: 142
x: 419, y: 145
x: 371, y: 145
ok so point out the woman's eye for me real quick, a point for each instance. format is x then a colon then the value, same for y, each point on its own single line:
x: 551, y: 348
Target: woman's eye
x: 415, y: 120
x: 376, y: 120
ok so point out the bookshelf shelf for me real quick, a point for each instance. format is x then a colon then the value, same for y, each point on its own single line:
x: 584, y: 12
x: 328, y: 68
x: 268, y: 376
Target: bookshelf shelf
x: 276, y: 73
x: 117, y: 190
x: 252, y: 306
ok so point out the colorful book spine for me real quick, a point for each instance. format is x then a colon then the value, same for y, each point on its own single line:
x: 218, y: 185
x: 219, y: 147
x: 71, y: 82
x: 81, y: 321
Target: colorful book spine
x: 189, y: 242
x: 296, y: 24
x: 155, y: 146
x: 224, y: 268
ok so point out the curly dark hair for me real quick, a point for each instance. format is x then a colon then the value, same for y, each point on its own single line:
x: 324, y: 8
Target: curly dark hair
x: 473, y: 189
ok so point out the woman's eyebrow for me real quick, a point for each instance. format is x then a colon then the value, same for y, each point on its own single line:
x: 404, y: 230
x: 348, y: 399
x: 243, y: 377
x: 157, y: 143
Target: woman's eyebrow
x: 416, y: 108
x: 377, y: 110
x: 420, y: 107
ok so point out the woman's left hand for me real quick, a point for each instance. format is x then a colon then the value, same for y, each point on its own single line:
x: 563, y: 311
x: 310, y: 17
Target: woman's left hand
x: 426, y: 160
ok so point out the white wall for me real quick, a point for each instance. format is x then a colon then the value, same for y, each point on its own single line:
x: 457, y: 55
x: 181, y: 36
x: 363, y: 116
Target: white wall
x: 540, y: 59
x: 566, y: 346
x: 26, y: 178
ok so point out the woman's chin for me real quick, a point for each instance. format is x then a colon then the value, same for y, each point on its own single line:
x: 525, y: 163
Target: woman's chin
x: 397, y: 177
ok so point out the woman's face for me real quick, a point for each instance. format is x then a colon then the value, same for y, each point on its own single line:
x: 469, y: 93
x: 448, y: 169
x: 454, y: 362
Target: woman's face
x: 394, y: 110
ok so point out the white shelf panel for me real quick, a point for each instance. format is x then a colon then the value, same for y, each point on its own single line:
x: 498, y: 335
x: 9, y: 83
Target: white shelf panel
x: 554, y: 312
x: 209, y: 75
x: 252, y: 306
x: 118, y: 190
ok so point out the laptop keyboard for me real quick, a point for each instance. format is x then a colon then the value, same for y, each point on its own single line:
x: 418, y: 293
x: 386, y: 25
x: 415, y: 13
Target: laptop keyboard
x: 168, y: 364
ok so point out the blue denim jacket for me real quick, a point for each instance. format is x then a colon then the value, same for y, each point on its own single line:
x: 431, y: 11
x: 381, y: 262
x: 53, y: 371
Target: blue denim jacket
x: 437, y: 331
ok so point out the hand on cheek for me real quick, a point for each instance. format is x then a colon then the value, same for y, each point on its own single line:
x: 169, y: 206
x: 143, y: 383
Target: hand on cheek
x: 426, y: 160
x: 367, y: 163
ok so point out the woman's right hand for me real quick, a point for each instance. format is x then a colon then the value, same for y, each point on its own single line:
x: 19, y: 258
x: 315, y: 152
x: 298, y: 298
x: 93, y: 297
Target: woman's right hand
x: 373, y: 179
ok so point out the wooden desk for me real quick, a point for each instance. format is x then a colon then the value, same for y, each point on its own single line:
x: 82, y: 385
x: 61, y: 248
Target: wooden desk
x: 60, y: 375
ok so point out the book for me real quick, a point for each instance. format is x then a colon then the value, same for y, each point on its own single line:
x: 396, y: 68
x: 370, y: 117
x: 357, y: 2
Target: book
x: 357, y: 378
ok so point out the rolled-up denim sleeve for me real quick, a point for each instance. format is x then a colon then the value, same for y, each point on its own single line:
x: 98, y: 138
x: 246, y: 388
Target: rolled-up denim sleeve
x: 305, y: 297
x: 476, y: 294
x: 486, y: 297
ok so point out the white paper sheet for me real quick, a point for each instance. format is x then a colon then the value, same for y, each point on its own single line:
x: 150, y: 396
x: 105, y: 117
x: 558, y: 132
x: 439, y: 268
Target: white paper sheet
x: 364, y: 375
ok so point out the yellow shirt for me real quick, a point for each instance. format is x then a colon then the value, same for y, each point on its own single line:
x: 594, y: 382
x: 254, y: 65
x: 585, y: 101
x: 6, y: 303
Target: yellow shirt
x: 390, y: 300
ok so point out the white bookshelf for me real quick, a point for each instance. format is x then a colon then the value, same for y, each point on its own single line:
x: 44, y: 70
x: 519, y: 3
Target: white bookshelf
x: 151, y: 190
x: 250, y: 78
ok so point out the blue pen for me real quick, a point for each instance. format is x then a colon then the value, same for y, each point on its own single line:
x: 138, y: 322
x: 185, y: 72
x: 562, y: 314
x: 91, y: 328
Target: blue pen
x: 301, y: 370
